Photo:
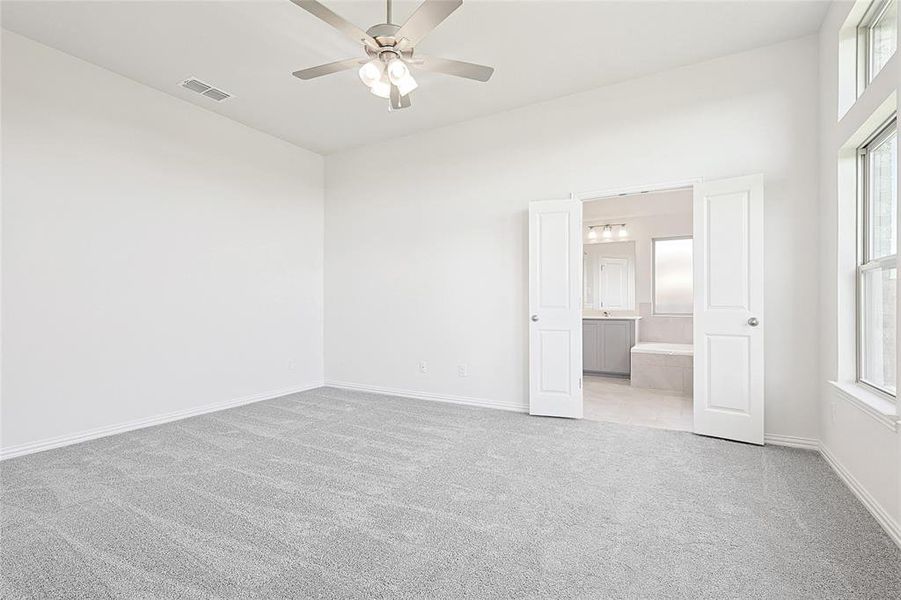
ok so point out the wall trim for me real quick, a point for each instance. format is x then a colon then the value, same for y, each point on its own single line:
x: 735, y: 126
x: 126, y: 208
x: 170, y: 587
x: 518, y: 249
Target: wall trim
x: 891, y: 527
x: 775, y: 439
x: 791, y: 441
x: 657, y: 186
x: 107, y: 430
x: 465, y: 400
x: 868, y: 403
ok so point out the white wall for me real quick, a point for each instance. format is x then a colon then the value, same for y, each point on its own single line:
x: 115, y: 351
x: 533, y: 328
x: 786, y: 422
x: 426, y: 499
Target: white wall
x: 434, y: 268
x: 866, y: 449
x: 156, y: 257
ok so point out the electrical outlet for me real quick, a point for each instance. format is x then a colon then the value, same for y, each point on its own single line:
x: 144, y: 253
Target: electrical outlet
x: 423, y: 367
x: 462, y: 371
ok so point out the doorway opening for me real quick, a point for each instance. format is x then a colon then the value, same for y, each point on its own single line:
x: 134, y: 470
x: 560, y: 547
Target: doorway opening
x: 726, y: 381
x: 638, y: 309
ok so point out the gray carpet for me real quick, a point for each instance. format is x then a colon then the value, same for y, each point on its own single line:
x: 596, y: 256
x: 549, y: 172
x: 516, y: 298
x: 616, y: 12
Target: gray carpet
x: 333, y: 494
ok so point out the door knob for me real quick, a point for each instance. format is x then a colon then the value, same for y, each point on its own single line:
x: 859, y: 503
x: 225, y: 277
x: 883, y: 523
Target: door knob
x: 753, y: 322
x: 534, y: 318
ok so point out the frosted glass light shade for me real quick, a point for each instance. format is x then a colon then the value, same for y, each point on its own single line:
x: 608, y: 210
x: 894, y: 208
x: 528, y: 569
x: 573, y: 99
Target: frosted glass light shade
x: 371, y: 72
x: 397, y: 71
x: 382, y: 87
x: 406, y: 85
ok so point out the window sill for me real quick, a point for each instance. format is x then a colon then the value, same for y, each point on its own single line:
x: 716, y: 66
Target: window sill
x: 876, y: 406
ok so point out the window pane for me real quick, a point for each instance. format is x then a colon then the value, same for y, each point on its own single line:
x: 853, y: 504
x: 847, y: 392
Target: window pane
x: 879, y: 291
x: 883, y: 38
x: 672, y: 277
x: 882, y: 165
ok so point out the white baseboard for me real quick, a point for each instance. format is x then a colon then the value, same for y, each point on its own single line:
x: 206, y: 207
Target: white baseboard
x: 891, y: 527
x: 791, y: 441
x: 91, y: 434
x: 480, y: 402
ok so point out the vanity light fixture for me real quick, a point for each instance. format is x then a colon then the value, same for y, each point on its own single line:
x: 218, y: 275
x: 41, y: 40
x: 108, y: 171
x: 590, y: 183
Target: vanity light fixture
x: 607, y: 231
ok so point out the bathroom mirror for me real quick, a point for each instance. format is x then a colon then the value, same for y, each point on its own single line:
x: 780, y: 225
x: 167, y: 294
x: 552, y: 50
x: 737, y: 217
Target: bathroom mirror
x: 609, y: 276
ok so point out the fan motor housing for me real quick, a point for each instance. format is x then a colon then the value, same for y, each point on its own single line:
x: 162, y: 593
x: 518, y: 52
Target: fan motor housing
x: 384, y: 34
x: 383, y: 30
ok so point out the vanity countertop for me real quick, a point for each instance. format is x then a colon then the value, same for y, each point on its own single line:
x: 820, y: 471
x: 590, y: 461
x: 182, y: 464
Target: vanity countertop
x: 611, y: 318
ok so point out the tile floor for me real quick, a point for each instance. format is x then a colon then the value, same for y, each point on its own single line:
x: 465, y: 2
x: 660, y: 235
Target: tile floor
x: 612, y: 399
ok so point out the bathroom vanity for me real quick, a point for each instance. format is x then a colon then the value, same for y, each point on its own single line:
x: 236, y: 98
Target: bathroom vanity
x: 607, y: 343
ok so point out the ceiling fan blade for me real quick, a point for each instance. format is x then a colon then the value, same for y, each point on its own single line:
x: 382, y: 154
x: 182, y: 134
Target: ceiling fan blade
x: 429, y: 14
x: 452, y: 67
x: 397, y: 101
x: 337, y: 21
x: 335, y: 67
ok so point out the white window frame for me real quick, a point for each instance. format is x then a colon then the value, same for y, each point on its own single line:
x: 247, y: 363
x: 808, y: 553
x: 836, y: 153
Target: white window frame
x: 865, y: 262
x: 871, y: 18
x: 654, y: 276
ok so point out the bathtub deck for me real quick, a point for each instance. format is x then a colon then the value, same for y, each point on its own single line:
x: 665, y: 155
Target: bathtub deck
x: 664, y: 348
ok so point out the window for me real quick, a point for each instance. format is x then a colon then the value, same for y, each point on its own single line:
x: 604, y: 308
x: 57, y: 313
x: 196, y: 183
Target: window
x: 877, y: 37
x: 877, y: 271
x: 673, y: 286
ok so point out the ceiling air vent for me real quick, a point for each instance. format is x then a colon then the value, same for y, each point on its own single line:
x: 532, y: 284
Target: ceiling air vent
x: 195, y: 85
x: 217, y: 95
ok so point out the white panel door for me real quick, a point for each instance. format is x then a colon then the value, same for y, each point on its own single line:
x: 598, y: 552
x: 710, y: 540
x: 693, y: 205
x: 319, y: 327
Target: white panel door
x: 555, y: 308
x: 728, y: 319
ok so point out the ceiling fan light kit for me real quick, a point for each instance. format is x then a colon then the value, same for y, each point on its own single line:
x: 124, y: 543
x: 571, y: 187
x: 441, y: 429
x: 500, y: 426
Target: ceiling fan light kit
x: 381, y: 88
x: 371, y: 72
x: 389, y: 51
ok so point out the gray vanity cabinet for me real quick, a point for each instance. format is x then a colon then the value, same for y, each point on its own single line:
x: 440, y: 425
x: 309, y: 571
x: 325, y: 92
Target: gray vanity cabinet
x: 591, y: 349
x: 607, y: 345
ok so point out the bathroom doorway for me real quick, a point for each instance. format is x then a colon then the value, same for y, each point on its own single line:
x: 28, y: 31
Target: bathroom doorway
x: 637, y: 309
x: 644, y: 338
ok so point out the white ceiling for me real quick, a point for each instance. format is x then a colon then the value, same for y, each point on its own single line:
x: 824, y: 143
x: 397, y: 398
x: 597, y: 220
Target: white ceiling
x: 541, y: 50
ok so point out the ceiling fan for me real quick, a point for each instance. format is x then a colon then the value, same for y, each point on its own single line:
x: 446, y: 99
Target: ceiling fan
x: 389, y: 51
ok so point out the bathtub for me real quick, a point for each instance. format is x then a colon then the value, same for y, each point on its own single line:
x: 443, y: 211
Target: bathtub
x: 663, y: 366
